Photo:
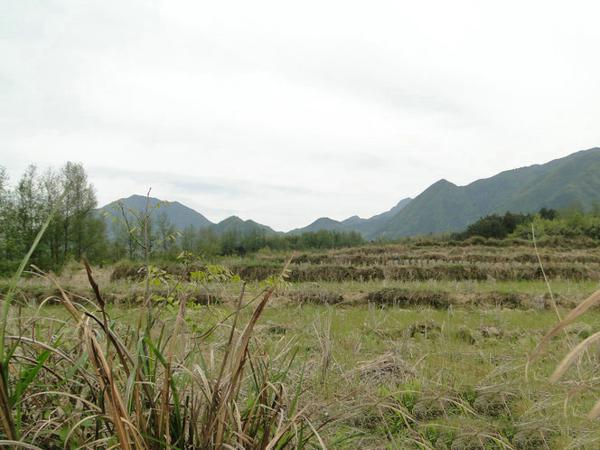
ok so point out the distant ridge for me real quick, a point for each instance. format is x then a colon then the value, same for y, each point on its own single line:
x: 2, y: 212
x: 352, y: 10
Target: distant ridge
x: 235, y: 224
x: 181, y: 216
x: 364, y: 226
x: 442, y: 207
x: 322, y: 223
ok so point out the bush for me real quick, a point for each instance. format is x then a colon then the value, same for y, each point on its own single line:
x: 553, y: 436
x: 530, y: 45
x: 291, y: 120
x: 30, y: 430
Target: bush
x: 7, y: 268
x: 495, y: 226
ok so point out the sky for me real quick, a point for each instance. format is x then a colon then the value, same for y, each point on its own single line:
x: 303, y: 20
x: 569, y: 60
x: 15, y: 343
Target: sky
x: 284, y: 112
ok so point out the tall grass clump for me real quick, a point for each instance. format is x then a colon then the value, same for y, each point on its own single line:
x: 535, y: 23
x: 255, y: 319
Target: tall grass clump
x: 576, y: 351
x: 83, y: 379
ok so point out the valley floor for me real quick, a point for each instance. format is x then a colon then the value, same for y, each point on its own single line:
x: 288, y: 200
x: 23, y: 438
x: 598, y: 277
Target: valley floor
x: 390, y: 363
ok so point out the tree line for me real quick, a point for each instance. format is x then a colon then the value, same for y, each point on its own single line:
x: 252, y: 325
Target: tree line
x: 25, y: 207
x: 237, y: 242
x: 547, y: 222
x: 165, y: 242
x: 77, y: 229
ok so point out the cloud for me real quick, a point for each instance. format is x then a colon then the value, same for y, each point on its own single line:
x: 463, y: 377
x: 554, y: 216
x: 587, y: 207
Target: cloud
x: 227, y: 188
x: 287, y: 112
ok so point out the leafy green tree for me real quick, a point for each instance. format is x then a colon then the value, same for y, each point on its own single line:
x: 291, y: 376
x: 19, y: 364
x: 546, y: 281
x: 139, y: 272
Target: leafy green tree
x: 548, y: 213
x: 188, y: 239
x: 127, y: 234
x: 166, y: 234
x: 8, y: 226
x: 495, y: 226
x: 231, y: 242
x: 208, y: 243
x: 28, y: 208
x: 73, y: 231
x: 50, y: 189
x: 79, y: 202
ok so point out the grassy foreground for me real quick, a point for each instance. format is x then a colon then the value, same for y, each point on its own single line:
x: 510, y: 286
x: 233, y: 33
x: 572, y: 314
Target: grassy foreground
x: 380, y: 363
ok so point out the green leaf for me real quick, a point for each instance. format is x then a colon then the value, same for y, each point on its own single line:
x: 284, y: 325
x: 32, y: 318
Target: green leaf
x: 27, y: 376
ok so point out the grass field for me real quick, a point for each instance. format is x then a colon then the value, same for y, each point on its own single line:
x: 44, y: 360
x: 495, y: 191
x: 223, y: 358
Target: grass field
x: 374, y: 347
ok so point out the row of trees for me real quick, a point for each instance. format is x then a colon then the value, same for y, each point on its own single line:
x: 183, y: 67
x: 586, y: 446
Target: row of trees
x: 77, y: 230
x: 129, y: 228
x: 236, y: 242
x: 134, y: 233
x: 494, y: 226
x: 570, y: 223
x: 24, y: 208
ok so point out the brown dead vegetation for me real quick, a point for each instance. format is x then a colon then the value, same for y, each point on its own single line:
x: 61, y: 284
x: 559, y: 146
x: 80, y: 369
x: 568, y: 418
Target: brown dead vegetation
x: 406, y: 297
x: 316, y: 296
x: 388, y: 365
x: 404, y: 263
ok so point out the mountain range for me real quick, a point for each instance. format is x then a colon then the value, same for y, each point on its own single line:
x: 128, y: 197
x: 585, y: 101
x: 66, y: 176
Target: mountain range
x: 572, y: 181
x: 179, y: 215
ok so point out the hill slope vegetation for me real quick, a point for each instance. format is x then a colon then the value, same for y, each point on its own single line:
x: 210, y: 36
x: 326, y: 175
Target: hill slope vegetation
x: 573, y: 181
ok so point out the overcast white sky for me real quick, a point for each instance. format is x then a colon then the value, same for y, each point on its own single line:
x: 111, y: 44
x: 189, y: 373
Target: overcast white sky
x: 287, y: 111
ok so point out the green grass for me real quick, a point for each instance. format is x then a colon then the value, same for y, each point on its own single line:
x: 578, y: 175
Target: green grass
x: 442, y: 364
x: 564, y: 287
x: 376, y: 377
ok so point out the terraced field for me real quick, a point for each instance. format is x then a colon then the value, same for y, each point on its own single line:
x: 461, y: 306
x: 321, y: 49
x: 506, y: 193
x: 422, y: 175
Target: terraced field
x: 394, y: 346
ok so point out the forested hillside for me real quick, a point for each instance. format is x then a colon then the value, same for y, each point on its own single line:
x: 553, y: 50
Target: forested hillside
x: 573, y: 181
